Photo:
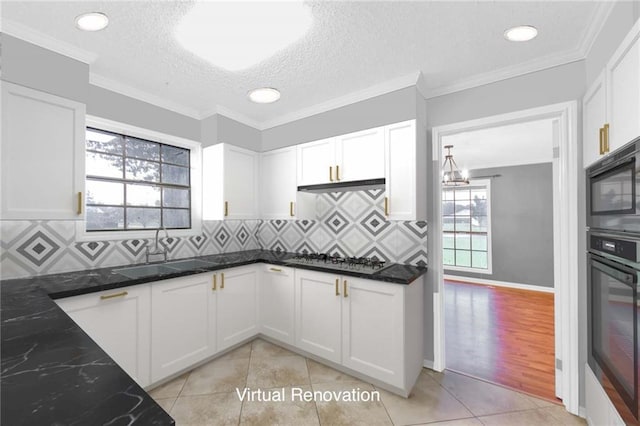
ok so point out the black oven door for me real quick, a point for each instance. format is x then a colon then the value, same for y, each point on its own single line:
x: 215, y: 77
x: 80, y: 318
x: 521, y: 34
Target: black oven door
x: 614, y: 330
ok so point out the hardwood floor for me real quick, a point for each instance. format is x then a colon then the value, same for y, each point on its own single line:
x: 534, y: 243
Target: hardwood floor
x: 502, y: 335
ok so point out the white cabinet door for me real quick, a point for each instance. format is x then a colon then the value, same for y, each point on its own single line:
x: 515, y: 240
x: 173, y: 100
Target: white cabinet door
x: 42, y: 155
x: 360, y: 155
x: 594, y: 110
x: 623, y: 91
x: 237, y: 317
x: 240, y: 183
x: 278, y: 185
x: 400, y: 171
x: 183, y: 323
x: 316, y: 162
x: 318, y: 314
x: 373, y: 329
x: 119, y: 321
x: 276, y: 302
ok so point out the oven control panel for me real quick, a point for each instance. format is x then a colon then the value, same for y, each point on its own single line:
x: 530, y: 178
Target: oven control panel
x: 624, y: 249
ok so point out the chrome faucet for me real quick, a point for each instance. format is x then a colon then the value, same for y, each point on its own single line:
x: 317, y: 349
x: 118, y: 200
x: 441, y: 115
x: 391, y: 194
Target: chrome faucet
x: 156, y: 249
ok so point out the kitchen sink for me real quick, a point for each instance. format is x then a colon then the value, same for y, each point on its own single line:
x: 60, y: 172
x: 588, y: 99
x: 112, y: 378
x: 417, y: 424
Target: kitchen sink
x: 185, y: 265
x: 146, y: 271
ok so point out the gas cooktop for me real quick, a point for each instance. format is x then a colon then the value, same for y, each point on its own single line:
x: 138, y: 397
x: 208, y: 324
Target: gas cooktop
x: 363, y: 265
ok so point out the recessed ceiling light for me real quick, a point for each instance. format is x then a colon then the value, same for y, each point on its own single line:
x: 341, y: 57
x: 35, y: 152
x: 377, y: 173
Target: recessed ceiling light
x: 92, y: 21
x: 264, y: 95
x: 238, y: 35
x: 521, y: 33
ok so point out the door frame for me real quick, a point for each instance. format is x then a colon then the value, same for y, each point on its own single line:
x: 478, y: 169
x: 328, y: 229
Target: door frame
x: 565, y: 244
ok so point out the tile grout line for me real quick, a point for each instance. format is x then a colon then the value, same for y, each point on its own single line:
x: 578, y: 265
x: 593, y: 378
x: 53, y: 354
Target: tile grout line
x: 246, y: 377
x: 315, y: 404
x: 386, y: 410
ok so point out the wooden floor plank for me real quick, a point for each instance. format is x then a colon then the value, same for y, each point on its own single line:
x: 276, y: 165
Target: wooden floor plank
x: 501, y: 335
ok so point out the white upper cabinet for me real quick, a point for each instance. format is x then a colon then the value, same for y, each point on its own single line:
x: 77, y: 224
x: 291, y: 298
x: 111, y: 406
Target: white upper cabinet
x: 360, y: 155
x: 229, y: 182
x: 278, y: 187
x: 611, y: 106
x: 42, y: 155
x: 316, y: 162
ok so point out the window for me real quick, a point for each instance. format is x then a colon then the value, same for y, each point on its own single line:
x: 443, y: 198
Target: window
x: 134, y: 184
x: 466, y: 226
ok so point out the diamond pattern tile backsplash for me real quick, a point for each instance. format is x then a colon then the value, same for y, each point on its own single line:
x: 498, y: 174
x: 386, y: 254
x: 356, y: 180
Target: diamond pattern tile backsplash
x: 346, y: 224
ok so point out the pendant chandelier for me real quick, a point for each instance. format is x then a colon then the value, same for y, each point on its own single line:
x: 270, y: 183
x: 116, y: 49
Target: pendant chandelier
x: 451, y: 175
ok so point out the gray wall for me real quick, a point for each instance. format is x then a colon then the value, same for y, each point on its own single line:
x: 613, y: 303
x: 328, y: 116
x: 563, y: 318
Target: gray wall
x: 32, y: 66
x: 114, y: 106
x: 389, y: 108
x: 521, y: 225
x: 220, y: 129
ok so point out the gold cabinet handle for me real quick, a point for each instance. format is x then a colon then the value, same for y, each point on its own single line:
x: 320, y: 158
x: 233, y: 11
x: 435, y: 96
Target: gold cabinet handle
x: 337, y: 173
x: 337, y: 287
x: 601, y: 147
x: 330, y: 174
x: 291, y: 209
x: 222, y: 283
x: 111, y: 296
x: 386, y: 206
x: 344, y: 288
x: 215, y: 282
x: 79, y: 209
x: 226, y: 208
x: 606, y: 137
x: 275, y: 269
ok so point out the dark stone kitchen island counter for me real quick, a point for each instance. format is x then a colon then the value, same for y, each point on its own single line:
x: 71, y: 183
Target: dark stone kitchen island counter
x: 54, y: 373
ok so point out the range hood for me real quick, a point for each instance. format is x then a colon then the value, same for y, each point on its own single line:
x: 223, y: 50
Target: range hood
x: 354, y: 185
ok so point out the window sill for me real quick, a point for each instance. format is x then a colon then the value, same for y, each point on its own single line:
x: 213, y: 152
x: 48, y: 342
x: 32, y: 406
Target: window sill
x: 142, y: 234
x: 470, y: 270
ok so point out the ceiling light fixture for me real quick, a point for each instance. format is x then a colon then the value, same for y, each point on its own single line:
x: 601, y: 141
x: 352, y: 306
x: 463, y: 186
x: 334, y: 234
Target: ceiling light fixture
x: 264, y: 95
x: 521, y: 33
x: 92, y: 21
x: 451, y: 175
x: 238, y: 35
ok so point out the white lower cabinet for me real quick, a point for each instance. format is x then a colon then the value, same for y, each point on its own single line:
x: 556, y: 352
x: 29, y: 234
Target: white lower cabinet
x: 183, y: 323
x: 237, y: 305
x: 276, y: 302
x: 119, y: 322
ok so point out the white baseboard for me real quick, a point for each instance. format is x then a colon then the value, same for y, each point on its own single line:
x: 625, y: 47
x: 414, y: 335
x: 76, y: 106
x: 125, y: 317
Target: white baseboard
x: 427, y: 363
x: 499, y: 283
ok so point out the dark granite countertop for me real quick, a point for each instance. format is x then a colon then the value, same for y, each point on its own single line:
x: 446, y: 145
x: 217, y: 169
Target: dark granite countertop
x: 54, y: 373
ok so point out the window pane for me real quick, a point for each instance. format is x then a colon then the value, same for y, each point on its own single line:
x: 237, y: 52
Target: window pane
x: 142, y: 149
x: 448, y: 240
x: 104, y: 141
x: 463, y: 224
x: 448, y: 208
x: 463, y: 207
x: 462, y: 194
x: 143, y: 218
x: 448, y: 257
x: 143, y: 195
x: 463, y: 241
x: 479, y: 242
x: 447, y: 195
x: 171, y: 154
x: 175, y: 218
x: 142, y: 170
x: 99, y: 192
x: 105, y: 218
x: 479, y: 259
x: 463, y: 258
x: 479, y: 224
x: 175, y: 174
x: 479, y: 207
x: 448, y: 223
x: 173, y: 197
x: 104, y: 165
x: 479, y: 194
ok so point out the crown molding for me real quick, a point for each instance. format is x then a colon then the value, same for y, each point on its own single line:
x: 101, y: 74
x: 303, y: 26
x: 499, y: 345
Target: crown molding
x: 32, y: 36
x: 141, y: 95
x: 360, y: 95
x: 598, y: 20
x: 235, y: 116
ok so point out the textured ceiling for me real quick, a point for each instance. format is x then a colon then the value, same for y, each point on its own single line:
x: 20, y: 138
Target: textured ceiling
x: 351, y: 46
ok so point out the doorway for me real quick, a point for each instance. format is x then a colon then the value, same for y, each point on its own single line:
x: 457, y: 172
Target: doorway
x: 565, y: 219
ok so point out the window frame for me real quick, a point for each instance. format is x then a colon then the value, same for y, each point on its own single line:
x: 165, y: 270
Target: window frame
x: 489, y: 270
x: 195, y: 172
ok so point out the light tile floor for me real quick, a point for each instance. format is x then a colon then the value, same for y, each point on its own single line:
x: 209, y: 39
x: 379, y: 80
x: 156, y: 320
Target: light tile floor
x: 207, y: 396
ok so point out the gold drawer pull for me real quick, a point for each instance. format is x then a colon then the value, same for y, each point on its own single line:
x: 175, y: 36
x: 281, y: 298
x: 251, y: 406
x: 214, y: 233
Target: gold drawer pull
x: 215, y: 282
x: 275, y: 269
x: 344, y: 288
x: 337, y: 288
x: 226, y: 208
x: 111, y: 296
x: 386, y: 206
x: 330, y: 173
x: 79, y: 209
x: 606, y: 137
x: 222, y: 283
x: 291, y: 209
x: 601, y: 147
x: 338, y: 173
